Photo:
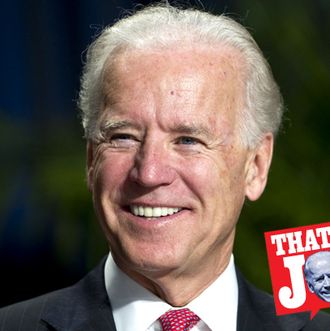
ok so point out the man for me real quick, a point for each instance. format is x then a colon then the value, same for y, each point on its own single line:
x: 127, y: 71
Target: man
x: 317, y: 274
x: 180, y: 111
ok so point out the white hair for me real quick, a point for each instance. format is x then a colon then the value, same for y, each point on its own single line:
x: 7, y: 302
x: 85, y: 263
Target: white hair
x: 163, y: 25
x: 319, y: 257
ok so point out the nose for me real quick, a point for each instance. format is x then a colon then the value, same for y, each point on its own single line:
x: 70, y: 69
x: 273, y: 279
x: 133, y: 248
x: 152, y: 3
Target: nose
x: 152, y: 166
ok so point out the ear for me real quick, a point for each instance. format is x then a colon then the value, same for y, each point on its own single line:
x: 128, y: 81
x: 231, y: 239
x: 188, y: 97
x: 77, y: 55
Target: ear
x: 258, y: 167
x: 310, y: 287
x: 90, y: 165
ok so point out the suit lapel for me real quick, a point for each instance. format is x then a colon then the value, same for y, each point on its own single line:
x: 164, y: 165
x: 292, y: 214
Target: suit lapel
x: 84, y: 306
x: 247, y: 318
x: 102, y: 319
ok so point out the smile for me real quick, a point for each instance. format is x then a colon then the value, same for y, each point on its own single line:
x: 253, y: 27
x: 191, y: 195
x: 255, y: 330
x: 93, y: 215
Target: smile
x: 144, y: 211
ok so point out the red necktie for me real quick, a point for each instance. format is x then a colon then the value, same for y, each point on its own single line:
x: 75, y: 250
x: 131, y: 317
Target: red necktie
x: 178, y: 320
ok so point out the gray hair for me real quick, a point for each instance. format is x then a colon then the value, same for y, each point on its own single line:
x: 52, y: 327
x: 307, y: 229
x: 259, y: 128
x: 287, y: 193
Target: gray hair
x: 312, y: 259
x: 162, y: 25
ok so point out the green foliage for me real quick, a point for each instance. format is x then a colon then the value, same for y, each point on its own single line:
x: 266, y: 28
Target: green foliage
x: 294, y: 36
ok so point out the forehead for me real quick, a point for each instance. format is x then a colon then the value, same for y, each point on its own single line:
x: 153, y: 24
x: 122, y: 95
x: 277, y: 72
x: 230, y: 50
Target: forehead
x: 184, y: 83
x: 197, y: 56
x: 320, y: 264
x: 221, y: 65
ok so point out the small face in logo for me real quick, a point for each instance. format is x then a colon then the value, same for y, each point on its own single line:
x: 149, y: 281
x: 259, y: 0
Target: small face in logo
x: 317, y: 274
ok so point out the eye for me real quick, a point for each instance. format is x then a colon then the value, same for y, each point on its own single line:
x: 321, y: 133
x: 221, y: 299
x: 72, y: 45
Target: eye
x: 187, y: 141
x: 121, y: 136
x: 319, y: 279
x: 122, y: 140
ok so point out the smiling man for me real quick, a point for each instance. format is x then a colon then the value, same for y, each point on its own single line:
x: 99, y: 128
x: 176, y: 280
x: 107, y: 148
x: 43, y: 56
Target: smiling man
x: 317, y: 274
x: 170, y: 173
x: 180, y: 110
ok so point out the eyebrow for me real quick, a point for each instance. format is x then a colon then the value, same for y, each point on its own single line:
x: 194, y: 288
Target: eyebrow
x: 185, y: 129
x: 113, y: 125
x: 192, y: 129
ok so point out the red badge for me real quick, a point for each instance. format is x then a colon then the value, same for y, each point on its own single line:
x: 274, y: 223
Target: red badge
x: 299, y: 263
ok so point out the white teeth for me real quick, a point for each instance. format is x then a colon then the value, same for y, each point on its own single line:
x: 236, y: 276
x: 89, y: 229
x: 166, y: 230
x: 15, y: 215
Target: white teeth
x: 148, y: 212
x: 156, y: 212
x: 135, y: 210
x: 153, y: 211
x: 164, y: 211
x: 140, y: 211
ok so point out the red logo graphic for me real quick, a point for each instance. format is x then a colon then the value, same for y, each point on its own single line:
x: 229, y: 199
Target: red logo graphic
x: 299, y: 263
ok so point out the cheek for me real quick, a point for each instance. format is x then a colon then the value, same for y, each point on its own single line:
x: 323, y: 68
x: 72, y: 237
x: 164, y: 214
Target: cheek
x: 317, y: 287
x: 207, y: 183
x: 111, y: 171
x: 213, y: 178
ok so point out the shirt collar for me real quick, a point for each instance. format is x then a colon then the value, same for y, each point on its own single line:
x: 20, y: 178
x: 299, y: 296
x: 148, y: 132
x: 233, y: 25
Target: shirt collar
x: 216, y: 305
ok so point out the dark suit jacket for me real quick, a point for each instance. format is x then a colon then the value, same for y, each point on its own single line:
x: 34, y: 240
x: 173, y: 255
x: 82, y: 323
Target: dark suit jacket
x: 85, y: 307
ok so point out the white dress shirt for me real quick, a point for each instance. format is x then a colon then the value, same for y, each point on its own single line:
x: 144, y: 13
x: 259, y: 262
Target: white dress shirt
x: 133, y: 305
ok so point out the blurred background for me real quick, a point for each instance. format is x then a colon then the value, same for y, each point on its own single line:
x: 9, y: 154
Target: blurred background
x: 49, y: 237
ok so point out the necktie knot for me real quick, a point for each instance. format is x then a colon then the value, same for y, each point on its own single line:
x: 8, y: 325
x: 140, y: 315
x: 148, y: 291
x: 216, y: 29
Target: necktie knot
x: 178, y: 320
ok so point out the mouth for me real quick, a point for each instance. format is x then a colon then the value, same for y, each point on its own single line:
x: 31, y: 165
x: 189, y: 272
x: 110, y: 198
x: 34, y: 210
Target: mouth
x: 153, y: 212
x: 326, y: 293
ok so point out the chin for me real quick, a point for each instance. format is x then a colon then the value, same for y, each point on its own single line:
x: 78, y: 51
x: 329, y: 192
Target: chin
x: 152, y: 263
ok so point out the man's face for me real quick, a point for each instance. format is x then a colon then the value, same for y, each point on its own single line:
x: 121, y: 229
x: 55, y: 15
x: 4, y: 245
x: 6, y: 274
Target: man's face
x: 319, y: 277
x: 170, y: 180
